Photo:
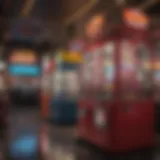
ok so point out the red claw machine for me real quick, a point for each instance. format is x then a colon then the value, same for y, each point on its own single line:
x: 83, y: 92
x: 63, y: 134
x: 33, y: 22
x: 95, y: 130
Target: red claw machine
x: 116, y: 112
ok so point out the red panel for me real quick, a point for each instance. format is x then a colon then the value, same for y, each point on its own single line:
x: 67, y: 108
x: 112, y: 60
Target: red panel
x: 133, y: 125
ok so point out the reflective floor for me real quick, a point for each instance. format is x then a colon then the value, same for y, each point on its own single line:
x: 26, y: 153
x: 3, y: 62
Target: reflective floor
x: 59, y: 143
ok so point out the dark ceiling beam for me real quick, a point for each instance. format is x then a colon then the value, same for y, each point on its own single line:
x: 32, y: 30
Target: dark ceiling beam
x: 147, y: 4
x: 142, y: 5
x: 77, y: 11
x: 7, y: 4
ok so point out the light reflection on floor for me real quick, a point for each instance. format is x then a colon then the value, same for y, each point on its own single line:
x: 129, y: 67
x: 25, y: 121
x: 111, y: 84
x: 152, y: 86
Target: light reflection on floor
x: 61, y: 144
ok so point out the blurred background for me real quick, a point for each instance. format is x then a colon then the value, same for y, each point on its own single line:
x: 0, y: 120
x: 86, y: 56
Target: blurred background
x: 42, y: 48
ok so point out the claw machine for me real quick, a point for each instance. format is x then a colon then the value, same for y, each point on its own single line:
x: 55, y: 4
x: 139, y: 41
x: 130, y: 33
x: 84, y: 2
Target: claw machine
x: 116, y: 112
x: 65, y: 88
x: 24, y: 73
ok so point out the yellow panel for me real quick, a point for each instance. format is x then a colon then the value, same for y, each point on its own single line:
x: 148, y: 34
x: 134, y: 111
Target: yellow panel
x: 72, y: 57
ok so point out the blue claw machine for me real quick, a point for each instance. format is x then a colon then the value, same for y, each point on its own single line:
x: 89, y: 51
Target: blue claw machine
x: 63, y: 109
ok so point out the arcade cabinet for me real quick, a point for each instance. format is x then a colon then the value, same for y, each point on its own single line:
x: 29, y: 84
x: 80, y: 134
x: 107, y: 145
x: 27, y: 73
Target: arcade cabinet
x: 24, y: 72
x: 65, y: 89
x: 23, y: 123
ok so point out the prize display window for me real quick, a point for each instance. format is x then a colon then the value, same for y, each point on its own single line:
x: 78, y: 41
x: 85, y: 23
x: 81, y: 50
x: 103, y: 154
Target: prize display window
x: 135, y: 70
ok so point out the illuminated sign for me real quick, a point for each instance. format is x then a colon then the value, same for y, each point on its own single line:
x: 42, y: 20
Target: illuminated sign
x: 24, y: 70
x: 23, y: 56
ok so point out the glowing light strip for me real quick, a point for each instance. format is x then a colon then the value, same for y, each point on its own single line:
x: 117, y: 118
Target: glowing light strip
x: 82, y: 11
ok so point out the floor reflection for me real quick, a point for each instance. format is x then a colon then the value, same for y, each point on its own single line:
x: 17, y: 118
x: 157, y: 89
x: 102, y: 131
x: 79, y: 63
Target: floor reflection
x: 60, y: 142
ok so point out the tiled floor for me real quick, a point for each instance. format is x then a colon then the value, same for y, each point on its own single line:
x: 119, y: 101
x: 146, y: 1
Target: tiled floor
x: 60, y: 142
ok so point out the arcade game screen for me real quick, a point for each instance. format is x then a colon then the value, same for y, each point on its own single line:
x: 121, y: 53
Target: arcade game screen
x: 24, y: 63
x: 24, y: 70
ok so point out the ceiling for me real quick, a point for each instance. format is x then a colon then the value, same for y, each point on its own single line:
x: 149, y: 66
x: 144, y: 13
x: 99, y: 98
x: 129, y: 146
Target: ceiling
x: 62, y: 9
x: 35, y: 8
x: 53, y: 12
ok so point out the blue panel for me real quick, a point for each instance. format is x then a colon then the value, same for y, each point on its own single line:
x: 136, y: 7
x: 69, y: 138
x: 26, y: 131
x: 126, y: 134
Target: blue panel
x: 69, y: 66
x: 24, y: 70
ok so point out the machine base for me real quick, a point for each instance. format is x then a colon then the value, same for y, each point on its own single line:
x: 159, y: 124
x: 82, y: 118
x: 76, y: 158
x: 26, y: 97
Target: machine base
x: 157, y: 108
x: 61, y: 123
x: 102, y: 151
